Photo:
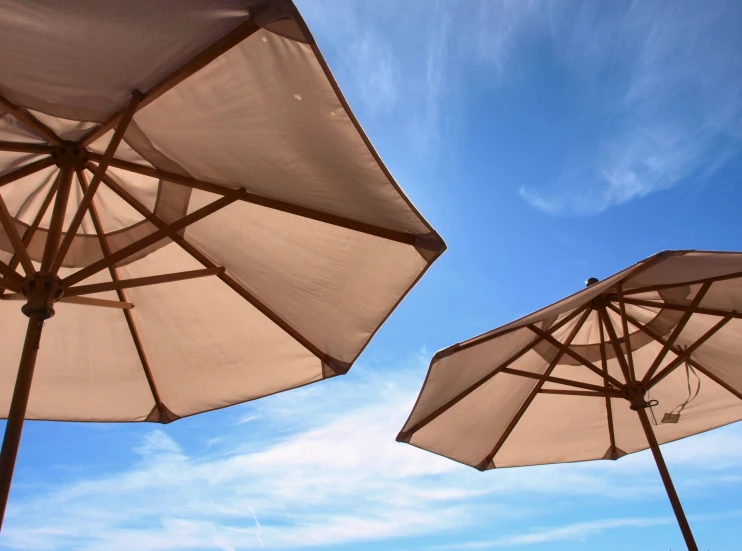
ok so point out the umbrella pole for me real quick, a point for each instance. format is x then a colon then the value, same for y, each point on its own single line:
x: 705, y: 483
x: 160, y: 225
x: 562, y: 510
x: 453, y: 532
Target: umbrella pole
x: 17, y: 412
x: 671, y: 493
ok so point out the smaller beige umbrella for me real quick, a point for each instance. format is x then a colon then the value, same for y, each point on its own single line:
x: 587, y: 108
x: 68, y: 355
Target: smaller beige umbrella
x: 561, y: 384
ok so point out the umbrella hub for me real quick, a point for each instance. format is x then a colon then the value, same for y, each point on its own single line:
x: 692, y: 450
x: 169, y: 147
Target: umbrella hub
x: 634, y: 392
x: 70, y: 153
x: 41, y: 290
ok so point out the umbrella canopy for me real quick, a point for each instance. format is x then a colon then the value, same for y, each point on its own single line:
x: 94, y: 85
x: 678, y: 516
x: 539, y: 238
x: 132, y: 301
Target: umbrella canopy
x: 184, y: 185
x: 573, y: 381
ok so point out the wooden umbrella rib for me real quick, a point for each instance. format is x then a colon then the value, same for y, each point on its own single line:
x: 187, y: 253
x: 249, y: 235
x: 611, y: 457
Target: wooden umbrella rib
x: 686, y: 352
x: 58, y: 214
x: 676, y: 332
x: 11, y: 276
x: 87, y: 197
x: 31, y: 231
x: 614, y: 343
x: 141, y: 281
x: 513, y: 358
x: 677, y: 350
x: 580, y: 358
x: 275, y: 204
x: 682, y: 308
x: 26, y: 170
x: 589, y: 393
x: 106, y: 250
x: 150, y: 239
x: 15, y: 239
x: 486, y: 337
x: 195, y: 64
x: 29, y: 120
x: 534, y: 392
x: 608, y: 405
x: 12, y: 284
x: 626, y: 336
x: 662, y: 287
x: 555, y: 380
x: 90, y: 301
x: 234, y: 285
x: 698, y: 367
x: 25, y: 147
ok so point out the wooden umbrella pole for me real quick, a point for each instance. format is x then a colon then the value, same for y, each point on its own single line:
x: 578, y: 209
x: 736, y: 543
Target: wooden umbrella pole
x: 671, y: 493
x: 17, y: 412
x: 41, y: 292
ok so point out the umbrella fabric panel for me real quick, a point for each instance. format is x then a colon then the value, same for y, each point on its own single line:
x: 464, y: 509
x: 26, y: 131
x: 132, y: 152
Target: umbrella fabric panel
x: 335, y: 286
x: 87, y: 368
x: 470, y: 428
x: 714, y: 407
x: 25, y: 196
x: 556, y: 429
x: 450, y: 377
x: 102, y: 50
x: 208, y: 347
x: 265, y: 117
x: 721, y: 354
x: 687, y: 267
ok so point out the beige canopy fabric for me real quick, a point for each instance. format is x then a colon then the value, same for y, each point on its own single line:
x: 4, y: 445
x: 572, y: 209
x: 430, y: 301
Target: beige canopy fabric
x: 185, y: 189
x: 318, y: 244
x: 560, y: 385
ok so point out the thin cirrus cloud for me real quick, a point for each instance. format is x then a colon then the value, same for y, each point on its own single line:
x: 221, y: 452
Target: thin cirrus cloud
x: 323, y: 470
x: 659, y: 83
x: 667, y: 79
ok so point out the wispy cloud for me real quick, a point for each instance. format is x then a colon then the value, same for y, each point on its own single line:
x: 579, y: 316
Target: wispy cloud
x: 666, y: 82
x: 659, y: 84
x: 326, y: 471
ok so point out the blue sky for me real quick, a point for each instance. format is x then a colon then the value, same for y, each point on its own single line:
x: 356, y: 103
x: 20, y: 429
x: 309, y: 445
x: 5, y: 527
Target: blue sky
x: 547, y: 142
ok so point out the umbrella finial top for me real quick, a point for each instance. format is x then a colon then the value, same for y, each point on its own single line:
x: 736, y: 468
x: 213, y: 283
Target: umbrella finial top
x: 592, y: 281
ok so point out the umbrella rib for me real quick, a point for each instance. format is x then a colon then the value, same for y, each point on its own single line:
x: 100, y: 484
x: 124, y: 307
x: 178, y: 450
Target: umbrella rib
x: 87, y: 197
x: 513, y: 358
x: 26, y: 170
x: 15, y: 239
x: 614, y: 343
x: 90, y: 301
x: 58, y: 214
x: 106, y: 250
x: 150, y: 239
x: 608, y: 405
x: 682, y: 308
x: 661, y: 287
x: 435, y: 245
x: 686, y: 352
x: 32, y: 122
x: 121, y: 284
x: 676, y: 332
x: 532, y: 395
x: 649, y: 332
x: 626, y: 337
x: 590, y: 393
x: 31, y: 231
x: 25, y: 147
x: 579, y: 357
x: 556, y: 380
x: 12, y: 278
x: 193, y: 65
x: 234, y: 285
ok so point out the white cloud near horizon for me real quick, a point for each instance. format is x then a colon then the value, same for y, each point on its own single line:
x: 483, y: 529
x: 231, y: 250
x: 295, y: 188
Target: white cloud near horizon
x: 327, y: 471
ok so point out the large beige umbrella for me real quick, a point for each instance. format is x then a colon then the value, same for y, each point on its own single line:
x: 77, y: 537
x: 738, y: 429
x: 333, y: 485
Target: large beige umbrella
x: 561, y: 385
x: 221, y: 233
